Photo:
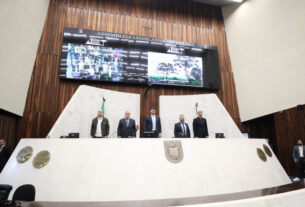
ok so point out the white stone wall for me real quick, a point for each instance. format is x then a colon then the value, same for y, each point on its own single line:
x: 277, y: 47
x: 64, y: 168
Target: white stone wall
x: 83, y: 106
x: 218, y: 119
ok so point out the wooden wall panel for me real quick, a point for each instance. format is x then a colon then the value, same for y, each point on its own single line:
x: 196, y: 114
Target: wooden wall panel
x: 289, y: 127
x: 171, y: 19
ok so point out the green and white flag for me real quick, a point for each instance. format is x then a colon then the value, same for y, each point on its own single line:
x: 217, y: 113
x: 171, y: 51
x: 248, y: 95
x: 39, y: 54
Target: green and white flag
x: 196, y: 107
x: 103, y: 106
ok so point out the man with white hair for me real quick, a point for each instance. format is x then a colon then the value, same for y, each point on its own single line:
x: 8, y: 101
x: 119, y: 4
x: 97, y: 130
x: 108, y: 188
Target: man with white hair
x: 127, y: 127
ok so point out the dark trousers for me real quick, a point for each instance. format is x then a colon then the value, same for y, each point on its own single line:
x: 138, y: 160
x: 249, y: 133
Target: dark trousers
x: 156, y: 134
x: 300, y: 167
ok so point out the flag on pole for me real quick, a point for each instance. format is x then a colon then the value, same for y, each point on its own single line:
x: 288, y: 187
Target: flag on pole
x: 196, y: 106
x: 103, y: 105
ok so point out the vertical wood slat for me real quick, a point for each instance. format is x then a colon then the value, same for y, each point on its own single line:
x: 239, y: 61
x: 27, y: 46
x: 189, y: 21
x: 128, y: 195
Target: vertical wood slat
x: 289, y: 126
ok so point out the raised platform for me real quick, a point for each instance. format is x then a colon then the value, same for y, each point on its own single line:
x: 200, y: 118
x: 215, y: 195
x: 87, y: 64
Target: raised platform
x: 282, y: 196
x: 78, y: 119
x: 137, y: 169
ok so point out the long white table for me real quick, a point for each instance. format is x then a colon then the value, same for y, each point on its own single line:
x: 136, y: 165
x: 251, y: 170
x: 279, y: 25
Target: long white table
x: 137, y: 169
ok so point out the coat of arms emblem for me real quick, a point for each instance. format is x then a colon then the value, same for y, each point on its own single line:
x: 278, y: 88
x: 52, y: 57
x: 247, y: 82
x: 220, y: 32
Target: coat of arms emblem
x: 173, y: 151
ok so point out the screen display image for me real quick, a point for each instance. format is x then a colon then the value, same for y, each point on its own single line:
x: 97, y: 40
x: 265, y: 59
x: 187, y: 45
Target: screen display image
x: 123, y: 58
x: 92, y: 62
x: 174, y: 69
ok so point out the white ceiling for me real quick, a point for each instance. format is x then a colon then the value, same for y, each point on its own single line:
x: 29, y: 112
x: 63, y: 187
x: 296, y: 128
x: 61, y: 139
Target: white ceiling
x: 218, y: 2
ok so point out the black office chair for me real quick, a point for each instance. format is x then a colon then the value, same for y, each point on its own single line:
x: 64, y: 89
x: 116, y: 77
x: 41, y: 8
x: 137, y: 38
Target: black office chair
x: 24, y: 193
x: 4, y: 192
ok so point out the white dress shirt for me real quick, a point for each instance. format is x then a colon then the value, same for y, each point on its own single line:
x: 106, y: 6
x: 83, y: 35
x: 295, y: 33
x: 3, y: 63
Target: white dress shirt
x: 2, y: 147
x: 153, y: 119
x: 98, y: 132
x: 301, y: 151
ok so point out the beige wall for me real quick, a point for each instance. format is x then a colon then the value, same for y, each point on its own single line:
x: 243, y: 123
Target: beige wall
x: 21, y: 23
x: 267, y: 47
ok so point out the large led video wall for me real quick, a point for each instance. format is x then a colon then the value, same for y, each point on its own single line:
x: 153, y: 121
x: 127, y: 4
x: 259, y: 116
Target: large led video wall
x: 112, y: 57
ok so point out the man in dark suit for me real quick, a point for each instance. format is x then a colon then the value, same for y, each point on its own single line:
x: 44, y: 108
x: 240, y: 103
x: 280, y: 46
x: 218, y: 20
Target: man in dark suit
x: 5, y: 153
x: 153, y: 123
x: 100, y: 126
x: 182, y: 129
x: 298, y: 158
x: 127, y: 127
x: 200, y: 126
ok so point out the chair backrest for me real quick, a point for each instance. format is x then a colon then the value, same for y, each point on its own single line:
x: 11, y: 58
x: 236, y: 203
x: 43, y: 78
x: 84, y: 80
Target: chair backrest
x: 24, y: 193
x: 4, y: 192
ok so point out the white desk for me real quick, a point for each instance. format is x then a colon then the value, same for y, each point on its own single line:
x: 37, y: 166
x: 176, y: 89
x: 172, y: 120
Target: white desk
x: 137, y: 169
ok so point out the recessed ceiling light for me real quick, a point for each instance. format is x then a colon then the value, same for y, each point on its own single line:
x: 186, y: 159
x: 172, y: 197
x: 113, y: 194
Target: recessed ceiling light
x: 239, y: 1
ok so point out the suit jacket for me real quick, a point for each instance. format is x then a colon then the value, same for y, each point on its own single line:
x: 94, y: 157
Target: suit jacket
x: 127, y: 131
x: 296, y: 152
x: 4, y: 156
x: 148, y: 124
x: 179, y: 132
x: 200, y: 128
x: 104, y: 125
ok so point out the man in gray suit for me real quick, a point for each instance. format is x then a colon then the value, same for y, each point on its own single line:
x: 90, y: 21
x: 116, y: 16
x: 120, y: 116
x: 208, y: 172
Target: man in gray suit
x: 298, y: 158
x: 182, y: 129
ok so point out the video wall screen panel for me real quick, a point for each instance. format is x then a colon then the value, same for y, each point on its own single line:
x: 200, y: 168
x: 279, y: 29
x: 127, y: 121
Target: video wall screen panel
x: 172, y: 69
x: 111, y: 57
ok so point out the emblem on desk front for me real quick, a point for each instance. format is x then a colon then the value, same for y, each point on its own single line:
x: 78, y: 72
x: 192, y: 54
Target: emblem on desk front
x: 173, y: 151
x: 261, y: 154
x: 41, y: 159
x: 24, y: 154
x: 267, y: 150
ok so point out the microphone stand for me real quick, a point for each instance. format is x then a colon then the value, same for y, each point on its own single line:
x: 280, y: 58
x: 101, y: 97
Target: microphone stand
x: 147, y: 89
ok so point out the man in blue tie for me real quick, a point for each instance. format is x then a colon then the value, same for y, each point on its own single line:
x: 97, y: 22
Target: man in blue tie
x: 182, y: 129
x: 152, y: 123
